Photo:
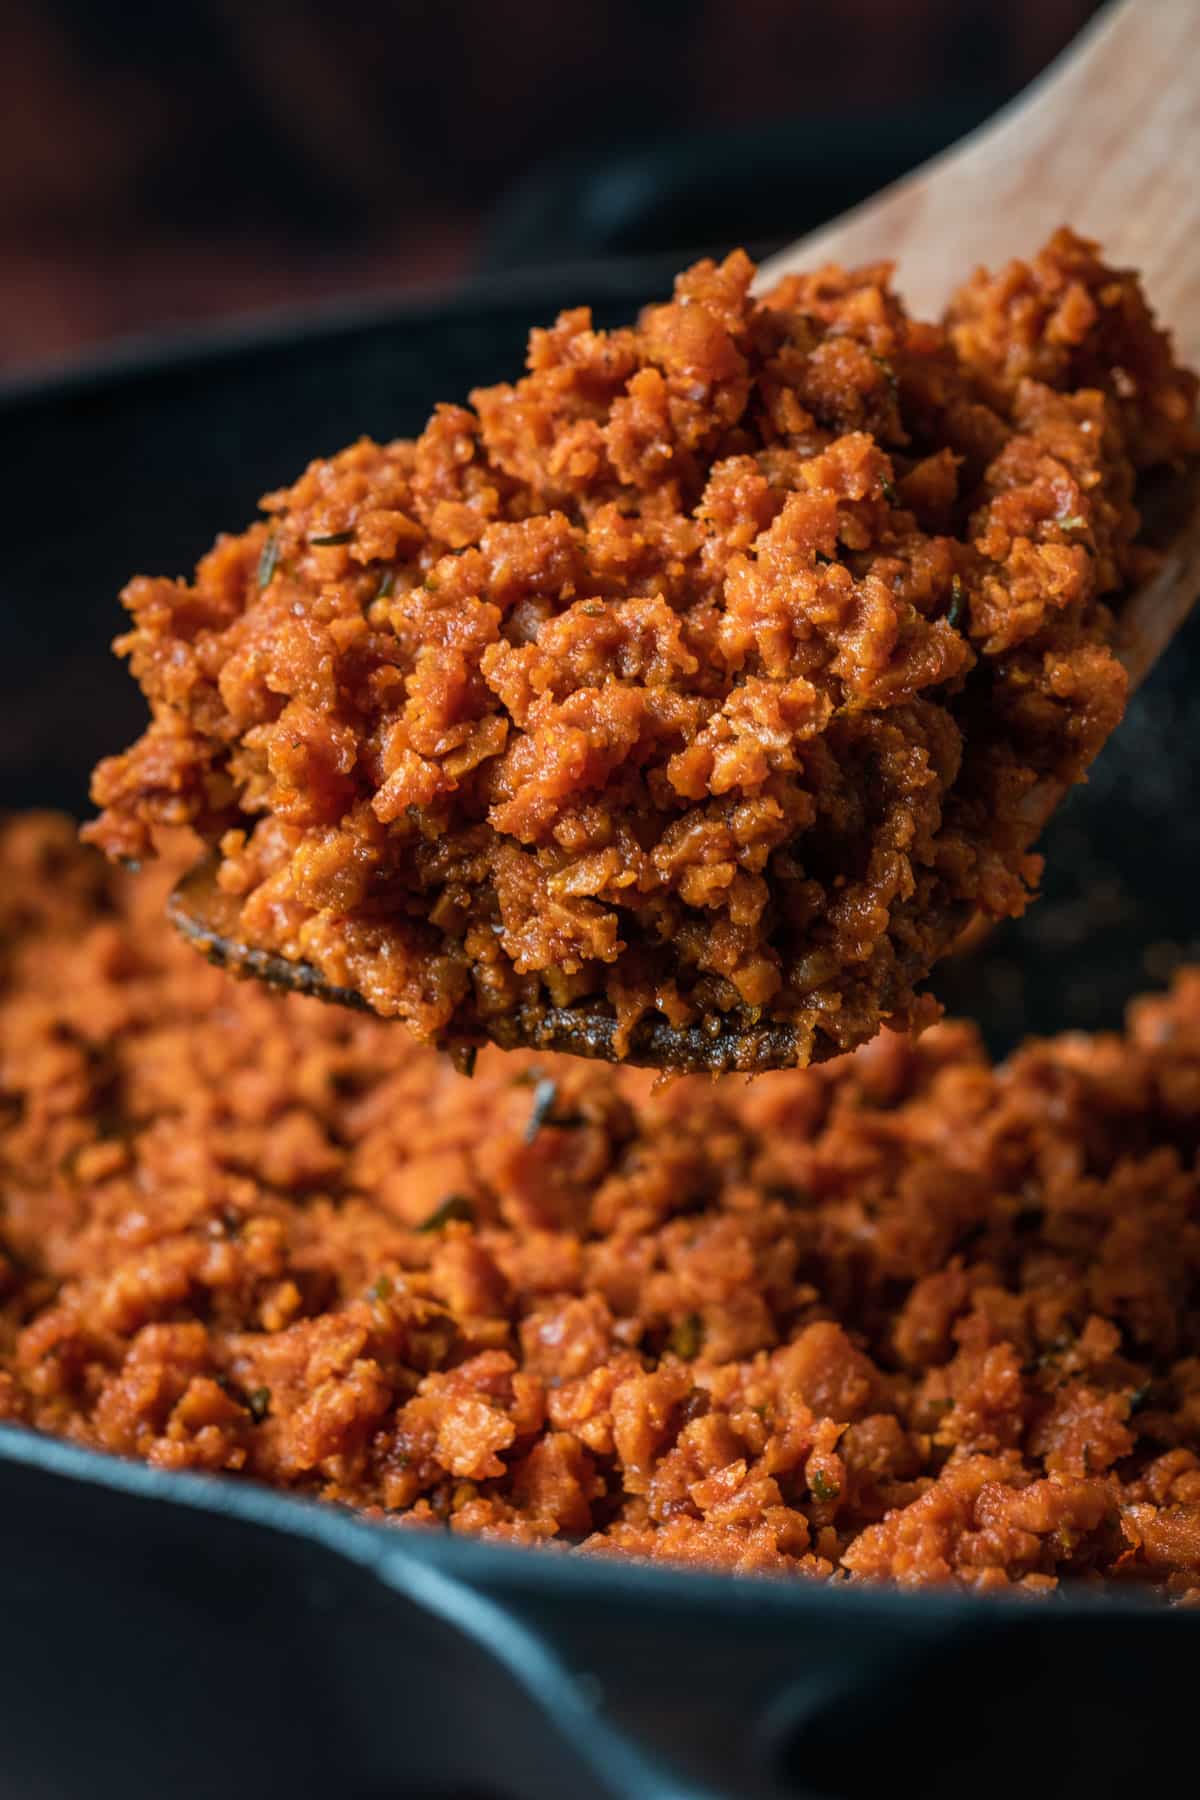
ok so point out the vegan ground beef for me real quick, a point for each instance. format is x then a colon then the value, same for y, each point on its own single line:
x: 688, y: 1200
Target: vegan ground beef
x: 902, y: 1315
x: 710, y: 676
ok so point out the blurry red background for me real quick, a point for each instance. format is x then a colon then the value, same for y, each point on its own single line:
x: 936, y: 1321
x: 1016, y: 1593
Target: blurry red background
x: 174, y: 163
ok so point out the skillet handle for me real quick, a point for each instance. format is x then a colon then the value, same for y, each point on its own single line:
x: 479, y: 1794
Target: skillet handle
x: 760, y: 1694
x: 185, y: 1635
x: 657, y: 1692
x: 178, y: 1634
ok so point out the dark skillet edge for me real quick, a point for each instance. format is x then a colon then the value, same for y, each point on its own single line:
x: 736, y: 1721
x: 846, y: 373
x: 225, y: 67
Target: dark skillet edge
x: 514, y: 1570
x: 749, y: 1661
x: 456, y: 1597
x: 631, y: 280
x: 656, y: 1683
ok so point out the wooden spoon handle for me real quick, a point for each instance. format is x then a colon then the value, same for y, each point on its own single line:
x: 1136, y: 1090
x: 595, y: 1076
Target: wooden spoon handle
x: 1107, y: 140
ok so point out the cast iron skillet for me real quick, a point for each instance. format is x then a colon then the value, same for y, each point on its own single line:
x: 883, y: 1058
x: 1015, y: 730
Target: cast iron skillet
x: 192, y: 1637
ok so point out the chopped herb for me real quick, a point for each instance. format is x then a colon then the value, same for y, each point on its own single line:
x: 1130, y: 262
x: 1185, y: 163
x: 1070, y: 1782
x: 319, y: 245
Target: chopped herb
x: 958, y: 605
x: 454, y: 1206
x: 889, y: 374
x: 822, y: 1488
x: 380, y: 1288
x: 430, y: 583
x: 383, y: 591
x: 1074, y: 522
x: 259, y: 1402
x: 1140, y: 1398
x: 331, y: 538
x: 268, y: 561
x: 545, y: 1095
x: 594, y: 609
x: 889, y: 490
x: 687, y: 1336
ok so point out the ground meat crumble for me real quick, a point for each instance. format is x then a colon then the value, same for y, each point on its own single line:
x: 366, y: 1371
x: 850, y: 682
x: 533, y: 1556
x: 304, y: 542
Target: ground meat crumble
x: 710, y: 675
x: 901, y: 1316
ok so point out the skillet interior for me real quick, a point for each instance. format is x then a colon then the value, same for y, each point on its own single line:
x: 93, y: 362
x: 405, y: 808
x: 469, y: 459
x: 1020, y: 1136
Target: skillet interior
x: 197, y: 1637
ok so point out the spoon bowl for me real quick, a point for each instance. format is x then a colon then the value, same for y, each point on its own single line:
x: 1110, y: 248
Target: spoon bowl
x: 1109, y: 138
x: 208, y: 918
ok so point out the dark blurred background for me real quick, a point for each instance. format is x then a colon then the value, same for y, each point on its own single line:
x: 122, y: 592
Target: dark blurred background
x: 169, y: 163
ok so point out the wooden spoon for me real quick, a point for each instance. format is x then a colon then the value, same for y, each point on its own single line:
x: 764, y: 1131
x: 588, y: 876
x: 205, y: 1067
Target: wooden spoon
x: 1108, y: 139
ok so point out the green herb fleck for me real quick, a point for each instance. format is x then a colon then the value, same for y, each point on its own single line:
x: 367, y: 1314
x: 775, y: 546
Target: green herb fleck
x: 889, y: 490
x: 331, y: 538
x: 259, y: 1402
x: 454, y: 1206
x: 822, y: 1488
x: 268, y: 561
x: 384, y: 590
x: 1140, y: 1398
x: 1074, y: 522
x: 380, y: 1288
x: 958, y: 605
x: 593, y: 609
x: 687, y: 1336
x: 889, y: 374
x: 430, y: 583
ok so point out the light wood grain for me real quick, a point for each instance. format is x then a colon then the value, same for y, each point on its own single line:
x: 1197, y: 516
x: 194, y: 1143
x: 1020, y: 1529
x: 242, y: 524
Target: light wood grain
x: 1108, y: 141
